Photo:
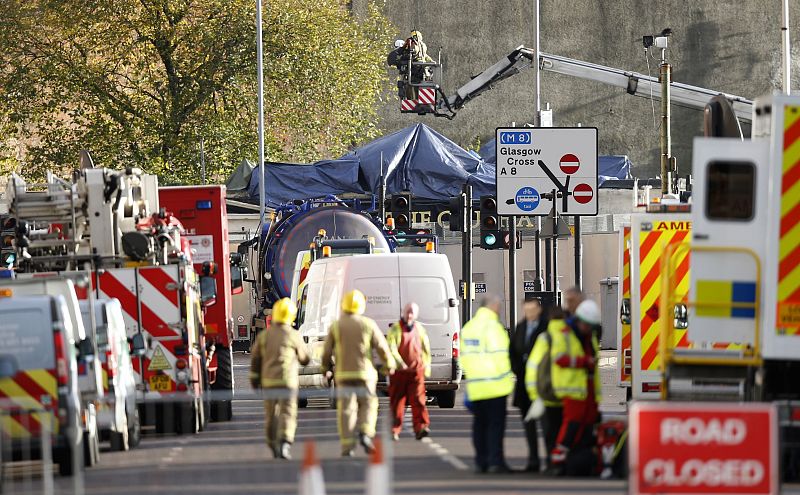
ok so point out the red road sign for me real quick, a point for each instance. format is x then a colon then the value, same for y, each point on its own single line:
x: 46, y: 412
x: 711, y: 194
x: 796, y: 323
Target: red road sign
x: 569, y: 164
x: 696, y: 448
x: 583, y: 193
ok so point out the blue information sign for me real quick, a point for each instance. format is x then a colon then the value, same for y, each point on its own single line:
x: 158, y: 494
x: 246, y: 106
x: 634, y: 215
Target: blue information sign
x: 515, y: 137
x: 527, y: 199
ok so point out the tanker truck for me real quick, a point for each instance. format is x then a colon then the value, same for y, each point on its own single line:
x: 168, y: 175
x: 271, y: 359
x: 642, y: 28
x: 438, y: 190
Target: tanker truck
x: 298, y: 233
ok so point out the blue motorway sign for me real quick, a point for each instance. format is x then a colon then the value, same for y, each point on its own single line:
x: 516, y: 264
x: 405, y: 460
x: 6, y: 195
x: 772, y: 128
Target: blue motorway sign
x: 515, y: 137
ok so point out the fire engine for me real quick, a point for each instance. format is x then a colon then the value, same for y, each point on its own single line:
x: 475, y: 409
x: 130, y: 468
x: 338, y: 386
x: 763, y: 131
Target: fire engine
x: 109, y: 223
x: 202, y: 212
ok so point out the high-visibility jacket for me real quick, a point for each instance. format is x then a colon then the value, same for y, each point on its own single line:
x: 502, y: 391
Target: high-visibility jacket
x: 484, y: 357
x: 349, y: 345
x: 276, y: 354
x: 542, y: 349
x: 395, y: 336
x: 569, y: 370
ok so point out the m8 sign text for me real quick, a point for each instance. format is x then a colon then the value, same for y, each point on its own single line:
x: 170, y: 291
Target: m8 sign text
x: 693, y: 448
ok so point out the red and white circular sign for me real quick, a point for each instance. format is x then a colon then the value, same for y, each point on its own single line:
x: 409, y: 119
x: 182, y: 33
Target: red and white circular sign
x: 583, y: 193
x: 569, y: 164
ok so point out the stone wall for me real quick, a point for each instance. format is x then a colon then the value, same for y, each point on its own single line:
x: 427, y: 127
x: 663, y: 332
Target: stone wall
x: 728, y: 45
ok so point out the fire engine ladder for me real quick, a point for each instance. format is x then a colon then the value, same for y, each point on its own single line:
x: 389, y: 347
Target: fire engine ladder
x: 706, y: 371
x: 53, y: 213
x: 633, y: 83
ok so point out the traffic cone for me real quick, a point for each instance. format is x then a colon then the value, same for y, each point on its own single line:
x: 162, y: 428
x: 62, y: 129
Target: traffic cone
x: 377, y: 482
x: 311, y: 480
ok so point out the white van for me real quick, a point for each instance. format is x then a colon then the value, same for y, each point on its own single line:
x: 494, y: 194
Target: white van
x: 117, y: 414
x: 90, y: 373
x: 389, y: 281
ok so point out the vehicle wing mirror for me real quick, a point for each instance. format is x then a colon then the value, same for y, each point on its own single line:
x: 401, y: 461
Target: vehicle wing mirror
x: 625, y: 312
x: 8, y: 366
x: 681, y: 314
x: 86, y: 348
x: 138, y: 346
x: 208, y: 291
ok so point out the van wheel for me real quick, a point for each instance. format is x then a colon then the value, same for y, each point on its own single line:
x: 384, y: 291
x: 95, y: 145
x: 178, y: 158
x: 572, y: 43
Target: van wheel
x: 91, y: 442
x: 120, y: 440
x: 65, y: 458
x: 447, y: 399
x: 135, y: 430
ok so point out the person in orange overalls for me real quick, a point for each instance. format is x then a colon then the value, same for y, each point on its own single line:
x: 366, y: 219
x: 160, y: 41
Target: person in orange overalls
x: 410, y: 347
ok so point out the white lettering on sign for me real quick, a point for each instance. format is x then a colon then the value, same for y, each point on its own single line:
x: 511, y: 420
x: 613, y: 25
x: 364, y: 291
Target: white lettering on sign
x: 695, y: 431
x: 696, y: 472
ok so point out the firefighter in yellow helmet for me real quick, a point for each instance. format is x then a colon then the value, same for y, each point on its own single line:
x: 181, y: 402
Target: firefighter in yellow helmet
x: 274, y: 368
x: 348, y: 353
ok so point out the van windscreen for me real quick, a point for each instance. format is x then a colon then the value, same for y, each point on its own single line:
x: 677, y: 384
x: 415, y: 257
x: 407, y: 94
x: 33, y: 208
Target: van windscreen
x: 27, y: 335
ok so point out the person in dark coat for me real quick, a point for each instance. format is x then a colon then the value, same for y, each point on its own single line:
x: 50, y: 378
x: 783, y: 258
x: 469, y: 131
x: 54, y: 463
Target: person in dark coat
x: 522, y: 340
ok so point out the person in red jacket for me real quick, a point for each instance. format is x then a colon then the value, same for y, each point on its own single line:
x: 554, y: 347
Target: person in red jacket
x: 573, y: 452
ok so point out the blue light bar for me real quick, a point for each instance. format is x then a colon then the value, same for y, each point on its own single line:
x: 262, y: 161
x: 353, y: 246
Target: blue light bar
x: 203, y: 204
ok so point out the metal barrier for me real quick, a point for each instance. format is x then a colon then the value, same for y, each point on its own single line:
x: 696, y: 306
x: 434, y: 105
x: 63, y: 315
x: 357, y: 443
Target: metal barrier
x: 27, y: 438
x: 745, y: 355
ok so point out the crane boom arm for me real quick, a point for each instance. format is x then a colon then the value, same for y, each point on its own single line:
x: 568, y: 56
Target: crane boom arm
x: 634, y: 83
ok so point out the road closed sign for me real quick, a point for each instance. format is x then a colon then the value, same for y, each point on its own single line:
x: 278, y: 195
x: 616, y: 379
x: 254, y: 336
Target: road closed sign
x: 699, y: 448
x: 541, y: 168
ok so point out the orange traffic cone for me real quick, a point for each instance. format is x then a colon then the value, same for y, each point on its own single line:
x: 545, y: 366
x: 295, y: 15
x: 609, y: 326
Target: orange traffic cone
x: 377, y: 482
x: 311, y: 480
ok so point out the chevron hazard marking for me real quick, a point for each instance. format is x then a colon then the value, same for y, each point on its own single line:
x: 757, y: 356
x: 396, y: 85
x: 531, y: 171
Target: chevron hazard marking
x: 159, y: 361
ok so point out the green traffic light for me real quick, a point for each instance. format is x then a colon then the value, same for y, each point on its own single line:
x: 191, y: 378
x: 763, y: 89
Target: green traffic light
x: 490, y: 239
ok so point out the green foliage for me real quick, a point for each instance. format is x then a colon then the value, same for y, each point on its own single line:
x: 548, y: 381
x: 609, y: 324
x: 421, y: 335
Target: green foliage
x: 139, y: 82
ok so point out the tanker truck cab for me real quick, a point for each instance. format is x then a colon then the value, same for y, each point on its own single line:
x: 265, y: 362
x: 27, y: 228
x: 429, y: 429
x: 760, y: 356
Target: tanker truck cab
x: 389, y: 281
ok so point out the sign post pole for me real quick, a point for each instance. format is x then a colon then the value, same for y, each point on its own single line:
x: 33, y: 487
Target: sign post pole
x: 466, y: 253
x: 512, y: 271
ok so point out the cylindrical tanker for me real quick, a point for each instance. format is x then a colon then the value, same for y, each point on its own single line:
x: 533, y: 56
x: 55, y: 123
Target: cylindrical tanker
x: 295, y: 230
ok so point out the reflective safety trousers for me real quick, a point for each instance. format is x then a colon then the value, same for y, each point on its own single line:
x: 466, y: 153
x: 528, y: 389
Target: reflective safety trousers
x: 484, y: 357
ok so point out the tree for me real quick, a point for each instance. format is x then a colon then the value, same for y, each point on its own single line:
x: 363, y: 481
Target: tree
x: 139, y: 82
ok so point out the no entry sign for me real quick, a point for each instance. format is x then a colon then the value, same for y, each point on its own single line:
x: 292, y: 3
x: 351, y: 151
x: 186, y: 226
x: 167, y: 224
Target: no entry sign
x: 698, y: 448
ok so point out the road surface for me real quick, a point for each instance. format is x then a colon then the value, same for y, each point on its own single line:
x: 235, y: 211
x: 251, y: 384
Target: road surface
x: 231, y: 458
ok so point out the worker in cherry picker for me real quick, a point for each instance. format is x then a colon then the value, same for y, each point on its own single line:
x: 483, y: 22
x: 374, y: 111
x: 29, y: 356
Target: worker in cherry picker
x: 413, y: 49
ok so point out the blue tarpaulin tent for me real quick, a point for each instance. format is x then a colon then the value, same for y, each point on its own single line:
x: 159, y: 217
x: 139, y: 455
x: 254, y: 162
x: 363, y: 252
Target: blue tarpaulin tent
x: 612, y: 167
x: 416, y: 159
x: 289, y: 181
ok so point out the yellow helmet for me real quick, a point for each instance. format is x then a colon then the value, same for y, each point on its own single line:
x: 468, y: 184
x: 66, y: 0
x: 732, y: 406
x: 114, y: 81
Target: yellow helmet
x: 284, y: 311
x: 354, y: 302
x: 417, y: 35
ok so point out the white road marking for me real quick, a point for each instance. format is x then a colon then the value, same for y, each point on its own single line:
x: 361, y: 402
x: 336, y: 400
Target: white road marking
x: 442, y: 452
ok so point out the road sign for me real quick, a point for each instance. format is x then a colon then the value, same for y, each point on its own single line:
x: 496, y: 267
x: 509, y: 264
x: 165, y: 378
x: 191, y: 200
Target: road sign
x: 703, y: 448
x: 583, y: 193
x: 532, y: 163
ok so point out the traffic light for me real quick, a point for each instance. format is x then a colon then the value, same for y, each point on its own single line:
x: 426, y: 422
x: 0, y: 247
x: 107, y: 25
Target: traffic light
x: 490, y: 224
x: 400, y: 208
x: 456, y: 214
x: 7, y: 236
x: 507, y: 239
